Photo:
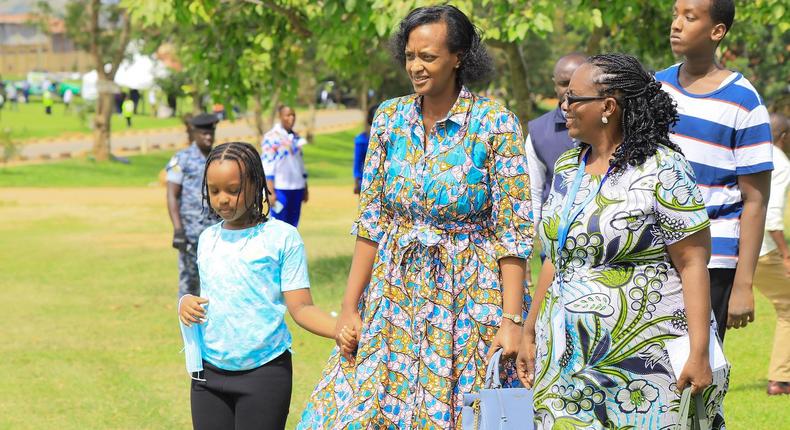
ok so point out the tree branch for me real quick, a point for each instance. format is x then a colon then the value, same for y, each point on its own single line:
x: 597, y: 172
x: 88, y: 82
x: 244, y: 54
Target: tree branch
x: 296, y: 19
x: 124, y: 40
x: 94, y: 35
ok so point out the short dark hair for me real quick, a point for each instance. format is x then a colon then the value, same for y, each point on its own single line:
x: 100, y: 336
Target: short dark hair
x: 251, y: 170
x: 722, y: 12
x: 462, y: 37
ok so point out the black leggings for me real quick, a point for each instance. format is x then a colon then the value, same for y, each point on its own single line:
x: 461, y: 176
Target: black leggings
x: 252, y: 399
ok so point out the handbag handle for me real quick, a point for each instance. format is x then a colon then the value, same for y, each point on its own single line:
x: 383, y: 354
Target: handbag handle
x: 699, y: 419
x: 492, y: 371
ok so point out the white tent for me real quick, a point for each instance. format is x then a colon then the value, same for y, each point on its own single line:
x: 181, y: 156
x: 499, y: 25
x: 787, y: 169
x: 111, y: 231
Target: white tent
x: 139, y: 74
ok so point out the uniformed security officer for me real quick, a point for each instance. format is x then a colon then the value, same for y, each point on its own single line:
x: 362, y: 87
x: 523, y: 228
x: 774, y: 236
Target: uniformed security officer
x: 185, y: 200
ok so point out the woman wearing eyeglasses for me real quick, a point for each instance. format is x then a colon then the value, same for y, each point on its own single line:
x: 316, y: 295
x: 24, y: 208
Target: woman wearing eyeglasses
x: 628, y: 243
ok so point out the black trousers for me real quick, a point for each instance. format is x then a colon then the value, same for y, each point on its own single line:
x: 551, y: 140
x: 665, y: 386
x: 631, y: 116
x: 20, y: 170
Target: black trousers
x: 252, y: 399
x: 720, y: 289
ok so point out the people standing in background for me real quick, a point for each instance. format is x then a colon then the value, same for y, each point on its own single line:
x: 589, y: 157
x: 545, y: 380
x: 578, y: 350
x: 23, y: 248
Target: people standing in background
x: 128, y: 110
x: 361, y: 149
x: 134, y: 95
x: 283, y: 161
x: 724, y: 133
x: 188, y: 213
x: 772, y: 276
x: 12, y: 95
x: 68, y: 97
x: 548, y: 137
x: 48, y: 101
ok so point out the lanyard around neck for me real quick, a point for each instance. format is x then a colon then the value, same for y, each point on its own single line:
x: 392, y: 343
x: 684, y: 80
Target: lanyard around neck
x: 566, y: 216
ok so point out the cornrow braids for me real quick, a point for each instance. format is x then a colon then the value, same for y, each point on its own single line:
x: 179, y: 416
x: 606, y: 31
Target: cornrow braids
x: 648, y: 111
x: 251, y: 168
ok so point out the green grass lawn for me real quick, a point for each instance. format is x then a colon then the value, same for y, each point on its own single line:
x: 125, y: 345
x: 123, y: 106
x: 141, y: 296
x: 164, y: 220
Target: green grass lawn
x: 90, y: 335
x: 30, y: 121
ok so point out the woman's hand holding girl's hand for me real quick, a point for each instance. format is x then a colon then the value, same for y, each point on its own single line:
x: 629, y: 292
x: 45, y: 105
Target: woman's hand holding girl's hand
x: 190, y: 310
x: 525, y: 362
x: 507, y: 338
x: 347, y: 331
x: 348, y: 341
x: 696, y: 372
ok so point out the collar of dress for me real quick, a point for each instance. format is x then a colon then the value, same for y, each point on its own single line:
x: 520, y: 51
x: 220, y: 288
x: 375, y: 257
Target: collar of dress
x: 457, y: 113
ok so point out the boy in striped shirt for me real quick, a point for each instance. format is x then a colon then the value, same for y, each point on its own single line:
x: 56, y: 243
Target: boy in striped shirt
x: 724, y: 133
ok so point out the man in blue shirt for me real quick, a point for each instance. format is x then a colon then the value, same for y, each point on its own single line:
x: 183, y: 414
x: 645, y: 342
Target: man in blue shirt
x: 185, y: 200
x: 361, y: 150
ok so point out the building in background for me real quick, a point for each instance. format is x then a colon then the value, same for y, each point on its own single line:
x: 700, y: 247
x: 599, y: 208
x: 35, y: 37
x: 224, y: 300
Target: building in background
x: 25, y: 47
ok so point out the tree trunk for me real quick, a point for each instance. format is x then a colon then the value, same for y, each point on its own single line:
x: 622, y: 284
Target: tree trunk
x: 197, y: 105
x: 311, y: 111
x: 273, y: 105
x: 518, y: 84
x: 594, y: 42
x: 364, y: 103
x: 258, y: 113
x: 102, y: 121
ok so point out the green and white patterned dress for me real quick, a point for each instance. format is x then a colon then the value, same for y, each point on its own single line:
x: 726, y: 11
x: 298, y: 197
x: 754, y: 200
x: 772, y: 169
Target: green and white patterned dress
x: 623, y: 298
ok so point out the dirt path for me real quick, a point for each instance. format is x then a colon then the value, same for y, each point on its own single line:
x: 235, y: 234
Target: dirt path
x: 326, y: 121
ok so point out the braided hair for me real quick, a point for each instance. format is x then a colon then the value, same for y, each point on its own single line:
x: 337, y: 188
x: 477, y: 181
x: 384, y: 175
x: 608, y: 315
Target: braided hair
x: 648, y: 111
x: 248, y: 160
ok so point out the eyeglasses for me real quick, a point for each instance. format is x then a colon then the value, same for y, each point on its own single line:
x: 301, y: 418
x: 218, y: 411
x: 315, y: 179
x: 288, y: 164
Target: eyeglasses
x: 571, y: 99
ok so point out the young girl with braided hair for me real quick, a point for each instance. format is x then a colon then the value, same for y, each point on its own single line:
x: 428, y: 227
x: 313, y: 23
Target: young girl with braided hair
x: 252, y: 268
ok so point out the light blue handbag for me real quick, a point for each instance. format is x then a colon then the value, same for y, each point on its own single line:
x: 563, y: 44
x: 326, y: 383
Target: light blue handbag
x: 497, y: 408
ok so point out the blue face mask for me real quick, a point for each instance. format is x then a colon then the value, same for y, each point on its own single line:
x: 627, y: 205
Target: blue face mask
x: 193, y: 341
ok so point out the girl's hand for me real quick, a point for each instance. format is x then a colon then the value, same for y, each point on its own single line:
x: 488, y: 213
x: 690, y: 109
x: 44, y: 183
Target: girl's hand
x: 190, y: 310
x: 697, y: 373
x: 525, y: 362
x: 351, y: 322
x: 507, y: 338
x: 348, y: 341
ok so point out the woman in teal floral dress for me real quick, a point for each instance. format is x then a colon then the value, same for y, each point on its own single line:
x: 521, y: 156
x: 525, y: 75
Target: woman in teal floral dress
x: 632, y: 272
x: 437, y: 277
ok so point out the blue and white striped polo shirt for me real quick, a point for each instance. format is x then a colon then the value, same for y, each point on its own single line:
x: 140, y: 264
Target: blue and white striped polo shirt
x: 723, y: 134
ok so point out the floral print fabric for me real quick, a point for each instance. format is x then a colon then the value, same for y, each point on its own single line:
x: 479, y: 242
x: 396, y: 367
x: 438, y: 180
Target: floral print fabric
x: 623, y: 298
x: 444, y: 208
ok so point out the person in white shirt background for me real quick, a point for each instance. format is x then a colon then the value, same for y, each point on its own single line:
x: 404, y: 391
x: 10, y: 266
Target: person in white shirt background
x: 772, y: 276
x: 283, y: 163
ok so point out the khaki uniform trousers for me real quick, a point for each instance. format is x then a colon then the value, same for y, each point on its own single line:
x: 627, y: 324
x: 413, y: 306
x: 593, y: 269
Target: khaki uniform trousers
x: 771, y: 280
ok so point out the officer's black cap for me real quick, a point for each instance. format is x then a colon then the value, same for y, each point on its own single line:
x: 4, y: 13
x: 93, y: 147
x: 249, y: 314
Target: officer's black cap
x: 204, y: 120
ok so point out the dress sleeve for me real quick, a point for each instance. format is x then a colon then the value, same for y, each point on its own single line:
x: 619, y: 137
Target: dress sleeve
x: 372, y: 215
x: 293, y: 271
x: 510, y: 195
x: 679, y: 207
x: 269, y: 156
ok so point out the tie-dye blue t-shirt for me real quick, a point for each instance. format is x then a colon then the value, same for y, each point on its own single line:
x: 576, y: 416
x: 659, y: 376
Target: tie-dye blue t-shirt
x: 243, y: 274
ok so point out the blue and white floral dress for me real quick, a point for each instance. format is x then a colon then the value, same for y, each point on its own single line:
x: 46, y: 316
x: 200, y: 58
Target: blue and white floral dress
x: 623, y: 298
